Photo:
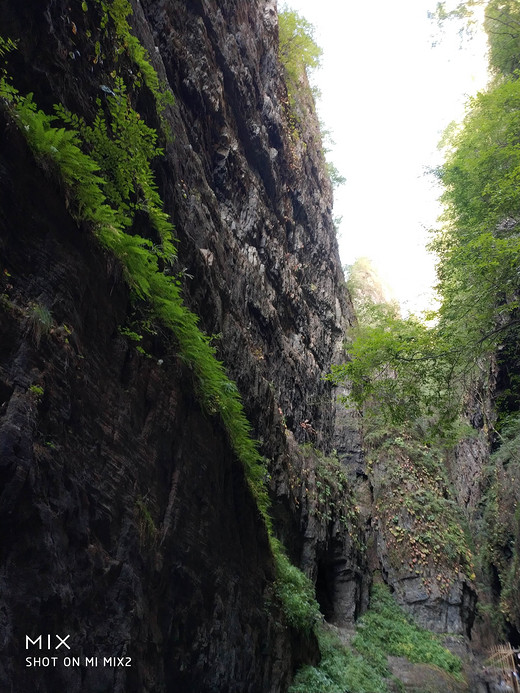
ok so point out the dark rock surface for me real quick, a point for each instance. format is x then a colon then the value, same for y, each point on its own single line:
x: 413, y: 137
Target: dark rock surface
x: 440, y: 610
x: 126, y: 518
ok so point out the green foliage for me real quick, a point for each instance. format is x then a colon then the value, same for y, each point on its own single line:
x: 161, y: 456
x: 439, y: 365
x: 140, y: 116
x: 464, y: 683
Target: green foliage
x: 6, y: 46
x: 479, y: 254
x: 37, y: 391
x: 401, y: 375
x: 422, y: 526
x: 330, y: 493
x: 298, y: 53
x: 386, y: 630
x: 502, y: 24
x: 123, y: 147
x: 400, y: 367
x: 479, y: 244
x: 411, y: 378
x: 40, y: 321
x: 61, y: 148
x: 463, y: 10
x: 335, y: 176
x: 130, y: 334
x: 117, y: 12
x: 509, y: 450
x: 295, y: 592
x: 483, y: 160
x: 147, y: 530
x: 510, y: 597
x: 339, y: 670
x: 297, y: 48
x: 500, y: 539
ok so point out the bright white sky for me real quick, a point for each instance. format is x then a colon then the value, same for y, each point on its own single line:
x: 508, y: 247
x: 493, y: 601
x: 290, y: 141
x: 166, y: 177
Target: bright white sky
x: 387, y: 96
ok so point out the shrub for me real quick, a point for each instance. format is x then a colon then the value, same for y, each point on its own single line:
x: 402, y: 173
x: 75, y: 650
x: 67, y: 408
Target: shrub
x: 339, y: 670
x: 40, y: 321
x: 297, y: 49
x: 295, y: 592
x: 386, y: 629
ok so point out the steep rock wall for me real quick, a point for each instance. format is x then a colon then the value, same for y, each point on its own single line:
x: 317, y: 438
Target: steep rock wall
x: 252, y: 208
x: 127, y: 514
x: 127, y: 520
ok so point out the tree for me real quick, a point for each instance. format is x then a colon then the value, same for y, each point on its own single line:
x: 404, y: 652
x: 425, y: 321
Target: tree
x: 479, y: 243
x: 502, y: 24
x: 297, y: 48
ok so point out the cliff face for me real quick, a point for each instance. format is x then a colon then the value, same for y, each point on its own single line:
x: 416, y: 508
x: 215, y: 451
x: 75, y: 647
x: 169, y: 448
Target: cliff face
x: 253, y: 208
x: 128, y: 522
